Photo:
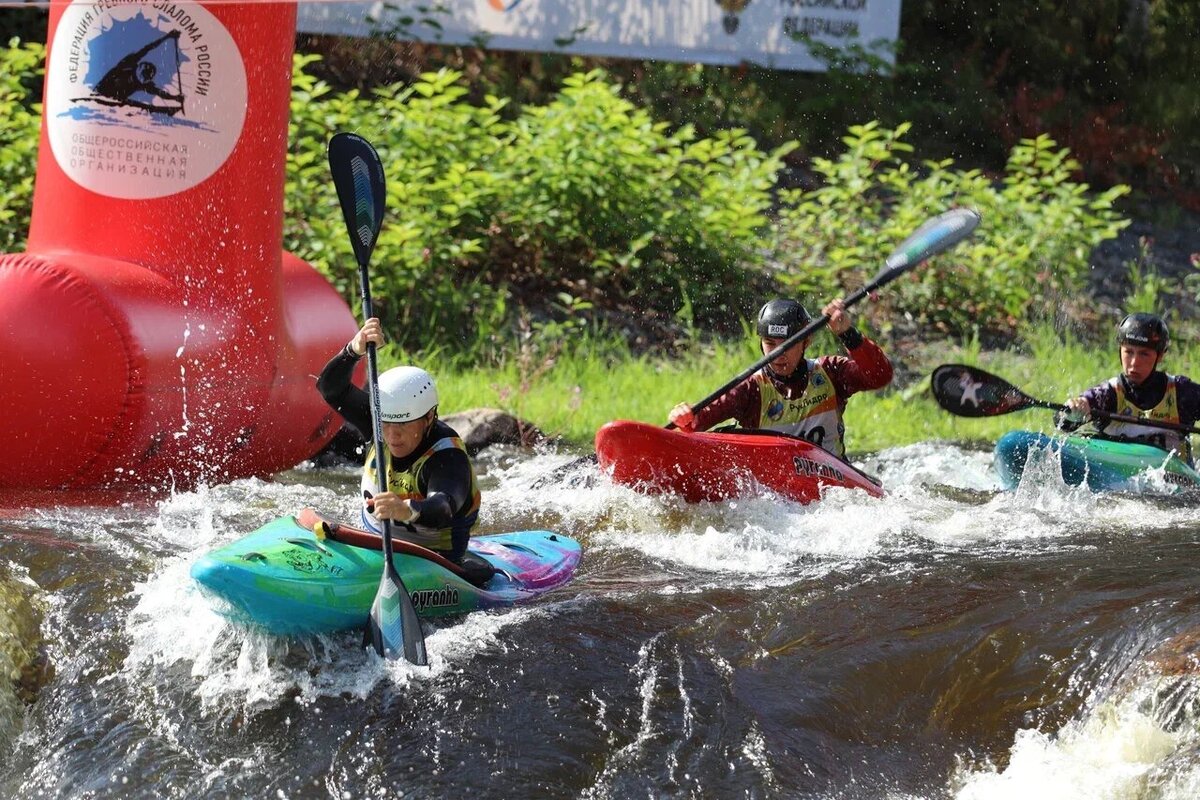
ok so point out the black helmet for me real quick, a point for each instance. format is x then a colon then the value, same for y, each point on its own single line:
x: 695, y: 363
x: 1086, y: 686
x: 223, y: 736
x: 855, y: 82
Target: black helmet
x: 781, y: 318
x: 1144, y: 330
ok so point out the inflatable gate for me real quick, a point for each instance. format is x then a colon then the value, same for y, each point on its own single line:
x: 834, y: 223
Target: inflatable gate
x: 154, y: 334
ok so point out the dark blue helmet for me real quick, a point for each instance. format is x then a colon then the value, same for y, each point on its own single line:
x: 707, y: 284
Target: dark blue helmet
x: 780, y: 318
x: 1144, y: 330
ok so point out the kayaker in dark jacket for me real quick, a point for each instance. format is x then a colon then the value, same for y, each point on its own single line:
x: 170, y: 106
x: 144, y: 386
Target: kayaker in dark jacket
x: 1141, y: 390
x: 799, y: 396
x: 432, y: 489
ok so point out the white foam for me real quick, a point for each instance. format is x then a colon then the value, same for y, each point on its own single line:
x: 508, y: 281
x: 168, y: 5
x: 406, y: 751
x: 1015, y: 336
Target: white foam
x: 241, y: 667
x: 1116, y: 751
x: 761, y: 541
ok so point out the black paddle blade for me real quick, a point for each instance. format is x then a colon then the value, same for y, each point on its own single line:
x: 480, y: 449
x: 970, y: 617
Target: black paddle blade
x: 391, y: 617
x: 936, y: 236
x: 969, y: 392
x: 361, y: 188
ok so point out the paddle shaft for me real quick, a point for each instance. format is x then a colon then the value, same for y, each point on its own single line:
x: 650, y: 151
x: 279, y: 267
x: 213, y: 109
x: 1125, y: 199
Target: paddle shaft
x: 373, y: 393
x: 412, y: 630
x: 1149, y: 423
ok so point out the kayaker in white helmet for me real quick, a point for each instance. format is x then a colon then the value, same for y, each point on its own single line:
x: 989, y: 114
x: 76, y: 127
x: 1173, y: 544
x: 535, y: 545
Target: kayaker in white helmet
x: 432, y: 490
x: 1141, y: 390
x: 793, y: 394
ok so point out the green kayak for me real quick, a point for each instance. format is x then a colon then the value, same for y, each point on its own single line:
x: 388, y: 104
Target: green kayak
x: 1103, y: 465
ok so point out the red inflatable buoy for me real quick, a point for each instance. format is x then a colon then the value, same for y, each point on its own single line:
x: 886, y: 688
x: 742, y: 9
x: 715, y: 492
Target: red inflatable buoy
x: 154, y: 333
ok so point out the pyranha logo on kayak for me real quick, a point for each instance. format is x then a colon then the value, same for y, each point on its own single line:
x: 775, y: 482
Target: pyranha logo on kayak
x: 446, y: 597
x: 504, y: 5
x: 143, y: 100
x: 806, y: 466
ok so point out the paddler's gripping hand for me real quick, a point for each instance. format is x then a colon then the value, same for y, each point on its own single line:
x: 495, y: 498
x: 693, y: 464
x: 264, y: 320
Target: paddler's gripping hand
x: 681, y: 417
x: 839, y: 318
x: 371, y: 331
x: 387, y: 505
x: 1077, y: 411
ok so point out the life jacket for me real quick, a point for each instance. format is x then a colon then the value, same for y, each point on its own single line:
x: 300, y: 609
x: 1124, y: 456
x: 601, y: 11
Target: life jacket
x: 814, y: 415
x: 405, y: 484
x: 1167, y: 410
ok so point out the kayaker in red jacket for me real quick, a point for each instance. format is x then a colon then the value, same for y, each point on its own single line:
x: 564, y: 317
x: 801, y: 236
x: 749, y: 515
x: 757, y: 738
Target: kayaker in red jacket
x: 432, y: 490
x: 793, y: 394
x: 1141, y: 390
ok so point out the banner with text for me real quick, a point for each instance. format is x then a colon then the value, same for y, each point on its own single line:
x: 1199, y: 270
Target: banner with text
x: 705, y: 31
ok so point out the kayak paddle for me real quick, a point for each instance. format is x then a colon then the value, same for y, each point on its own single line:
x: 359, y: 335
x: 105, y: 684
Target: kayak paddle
x: 392, y: 625
x: 970, y: 392
x: 935, y: 236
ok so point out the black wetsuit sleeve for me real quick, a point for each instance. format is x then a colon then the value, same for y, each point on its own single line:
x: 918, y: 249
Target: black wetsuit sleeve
x: 851, y: 337
x: 1188, y: 395
x: 334, y: 384
x: 447, y: 490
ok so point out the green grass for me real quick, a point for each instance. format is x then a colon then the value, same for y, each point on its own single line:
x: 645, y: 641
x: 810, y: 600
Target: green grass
x: 579, y: 392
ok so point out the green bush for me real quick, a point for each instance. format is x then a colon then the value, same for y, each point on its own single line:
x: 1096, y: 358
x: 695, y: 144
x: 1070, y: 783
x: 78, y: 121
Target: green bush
x: 602, y: 200
x: 434, y: 150
x: 1030, y: 251
x: 585, y: 197
x: 20, y: 64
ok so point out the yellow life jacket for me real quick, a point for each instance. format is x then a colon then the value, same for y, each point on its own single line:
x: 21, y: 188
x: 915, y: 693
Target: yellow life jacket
x: 814, y: 415
x: 1167, y: 410
x: 405, y: 484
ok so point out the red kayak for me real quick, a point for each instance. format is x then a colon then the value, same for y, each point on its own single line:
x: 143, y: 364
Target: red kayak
x: 718, y: 466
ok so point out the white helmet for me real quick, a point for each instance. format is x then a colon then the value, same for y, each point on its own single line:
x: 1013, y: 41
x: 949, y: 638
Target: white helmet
x: 405, y: 394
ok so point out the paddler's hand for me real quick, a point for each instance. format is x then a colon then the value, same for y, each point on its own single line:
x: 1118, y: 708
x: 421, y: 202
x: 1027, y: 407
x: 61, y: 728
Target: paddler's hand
x: 681, y: 417
x: 1078, y: 409
x: 392, y: 506
x: 1076, y: 412
x: 839, y: 318
x: 371, y: 331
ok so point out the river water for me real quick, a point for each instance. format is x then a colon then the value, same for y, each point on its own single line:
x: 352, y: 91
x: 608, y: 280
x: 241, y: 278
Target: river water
x: 947, y: 641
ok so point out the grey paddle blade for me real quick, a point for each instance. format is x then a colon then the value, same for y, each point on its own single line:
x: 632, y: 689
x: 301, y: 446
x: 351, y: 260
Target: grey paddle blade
x: 936, y: 236
x: 391, y: 617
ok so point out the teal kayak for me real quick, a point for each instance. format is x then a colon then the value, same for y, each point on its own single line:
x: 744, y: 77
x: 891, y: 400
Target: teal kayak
x: 1101, y: 464
x: 306, y: 574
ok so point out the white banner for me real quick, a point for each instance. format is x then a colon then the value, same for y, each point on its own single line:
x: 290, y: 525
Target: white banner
x: 702, y: 31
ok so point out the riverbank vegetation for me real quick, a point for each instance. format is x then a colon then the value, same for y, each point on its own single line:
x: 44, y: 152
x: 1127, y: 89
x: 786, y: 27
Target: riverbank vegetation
x: 587, y: 212
x: 582, y: 390
x: 573, y: 256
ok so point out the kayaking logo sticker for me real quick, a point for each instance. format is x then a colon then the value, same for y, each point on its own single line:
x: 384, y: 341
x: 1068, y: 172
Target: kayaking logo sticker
x: 143, y: 100
x: 970, y: 390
